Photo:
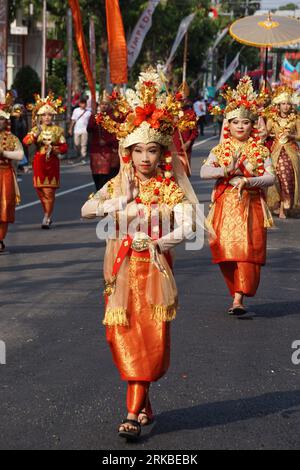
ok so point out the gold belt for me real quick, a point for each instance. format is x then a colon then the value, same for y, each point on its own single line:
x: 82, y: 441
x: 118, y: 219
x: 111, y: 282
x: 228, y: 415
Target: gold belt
x: 135, y: 259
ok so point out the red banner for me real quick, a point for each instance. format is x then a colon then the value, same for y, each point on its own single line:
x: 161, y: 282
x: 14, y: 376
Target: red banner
x: 81, y: 44
x: 116, y: 43
x: 54, y: 49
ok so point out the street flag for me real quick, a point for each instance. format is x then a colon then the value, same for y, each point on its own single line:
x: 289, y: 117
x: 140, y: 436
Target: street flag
x: 140, y: 31
x: 116, y: 43
x: 182, y: 30
x: 81, y: 44
x: 229, y: 71
x: 288, y: 67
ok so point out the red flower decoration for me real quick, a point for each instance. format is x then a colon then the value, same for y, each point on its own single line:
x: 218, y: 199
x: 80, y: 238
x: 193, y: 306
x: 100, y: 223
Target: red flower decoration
x: 179, y: 96
x: 99, y: 118
x: 149, y: 83
x: 138, y: 200
x: 156, y: 191
x: 114, y: 95
x: 126, y: 159
x: 143, y: 114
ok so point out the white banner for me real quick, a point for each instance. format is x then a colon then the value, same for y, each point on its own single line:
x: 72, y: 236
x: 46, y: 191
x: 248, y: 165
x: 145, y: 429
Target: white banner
x: 3, y: 38
x: 140, y: 31
x: 229, y: 71
x: 183, y: 27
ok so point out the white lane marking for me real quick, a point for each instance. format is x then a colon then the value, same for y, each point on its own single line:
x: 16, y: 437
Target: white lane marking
x: 206, y: 140
x: 63, y: 193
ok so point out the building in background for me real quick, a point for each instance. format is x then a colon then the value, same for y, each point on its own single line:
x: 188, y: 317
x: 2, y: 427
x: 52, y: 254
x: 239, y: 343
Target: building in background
x: 25, y: 45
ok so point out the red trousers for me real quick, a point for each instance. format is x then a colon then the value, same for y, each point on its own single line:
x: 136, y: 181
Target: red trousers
x: 241, y: 277
x: 47, y: 198
x: 137, y: 398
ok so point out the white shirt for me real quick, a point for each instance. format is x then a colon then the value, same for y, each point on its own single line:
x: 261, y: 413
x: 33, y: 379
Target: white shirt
x: 200, y: 108
x: 81, y: 122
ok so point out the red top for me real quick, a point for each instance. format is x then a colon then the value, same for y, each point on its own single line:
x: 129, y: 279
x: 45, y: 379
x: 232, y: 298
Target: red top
x: 103, y: 149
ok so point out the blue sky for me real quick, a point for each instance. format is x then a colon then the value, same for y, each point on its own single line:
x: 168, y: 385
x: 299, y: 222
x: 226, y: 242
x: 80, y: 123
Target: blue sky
x: 277, y: 3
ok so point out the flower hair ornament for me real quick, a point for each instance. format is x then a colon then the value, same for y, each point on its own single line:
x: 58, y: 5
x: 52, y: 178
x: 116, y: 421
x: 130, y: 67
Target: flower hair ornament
x: 283, y: 94
x: 6, y: 104
x: 241, y: 103
x: 145, y: 115
x: 50, y: 105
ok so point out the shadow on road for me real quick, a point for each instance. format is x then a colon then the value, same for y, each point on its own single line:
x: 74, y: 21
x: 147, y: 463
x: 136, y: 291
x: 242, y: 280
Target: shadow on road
x: 223, y: 413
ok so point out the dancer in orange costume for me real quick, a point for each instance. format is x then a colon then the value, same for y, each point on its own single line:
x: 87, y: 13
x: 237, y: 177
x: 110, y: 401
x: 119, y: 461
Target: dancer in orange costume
x: 242, y: 166
x: 141, y: 295
x: 50, y: 142
x: 10, y: 150
x: 283, y: 125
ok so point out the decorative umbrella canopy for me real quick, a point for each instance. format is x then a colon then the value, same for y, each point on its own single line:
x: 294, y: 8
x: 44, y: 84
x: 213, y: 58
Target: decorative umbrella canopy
x: 262, y: 31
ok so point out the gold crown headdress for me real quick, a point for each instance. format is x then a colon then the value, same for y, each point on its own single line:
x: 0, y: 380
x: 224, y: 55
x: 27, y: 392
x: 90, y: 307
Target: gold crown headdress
x: 6, y: 103
x: 242, y: 103
x: 50, y: 105
x: 283, y: 94
x: 147, y: 114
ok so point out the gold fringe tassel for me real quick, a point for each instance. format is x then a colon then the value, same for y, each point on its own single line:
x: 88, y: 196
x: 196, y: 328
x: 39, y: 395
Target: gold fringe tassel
x: 115, y: 317
x: 268, y: 219
x: 163, y: 313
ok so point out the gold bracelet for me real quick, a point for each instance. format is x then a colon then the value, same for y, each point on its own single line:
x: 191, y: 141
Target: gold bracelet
x: 225, y: 172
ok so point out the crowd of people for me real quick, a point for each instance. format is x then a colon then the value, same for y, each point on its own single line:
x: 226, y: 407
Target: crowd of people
x: 140, y: 148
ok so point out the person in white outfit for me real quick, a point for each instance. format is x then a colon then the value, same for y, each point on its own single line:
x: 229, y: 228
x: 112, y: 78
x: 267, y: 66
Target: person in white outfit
x: 78, y: 128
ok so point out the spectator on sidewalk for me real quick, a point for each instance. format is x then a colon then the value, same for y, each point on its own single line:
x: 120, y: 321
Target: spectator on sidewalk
x: 78, y: 128
x: 200, y: 110
x: 103, y: 149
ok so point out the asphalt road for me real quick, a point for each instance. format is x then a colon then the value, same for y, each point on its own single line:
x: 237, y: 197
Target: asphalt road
x: 231, y: 384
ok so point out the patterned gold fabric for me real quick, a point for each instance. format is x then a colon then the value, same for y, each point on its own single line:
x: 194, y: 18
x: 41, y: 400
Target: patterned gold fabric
x: 276, y: 126
x: 239, y: 227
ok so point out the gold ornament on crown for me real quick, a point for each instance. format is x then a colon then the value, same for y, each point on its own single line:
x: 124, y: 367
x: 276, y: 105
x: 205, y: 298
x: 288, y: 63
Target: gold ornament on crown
x: 242, y: 102
x: 283, y: 94
x: 147, y: 114
x: 6, y: 105
x: 50, y: 105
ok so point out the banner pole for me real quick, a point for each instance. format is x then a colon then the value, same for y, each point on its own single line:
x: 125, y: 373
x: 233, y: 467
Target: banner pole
x: 44, y: 46
x: 70, y: 63
x: 185, y: 56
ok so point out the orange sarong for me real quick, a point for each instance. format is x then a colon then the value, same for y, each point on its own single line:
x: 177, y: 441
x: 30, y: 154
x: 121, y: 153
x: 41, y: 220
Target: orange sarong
x: 239, y: 228
x: 240, y: 244
x: 141, y: 351
x: 47, y: 198
x: 241, y: 277
x: 7, y: 193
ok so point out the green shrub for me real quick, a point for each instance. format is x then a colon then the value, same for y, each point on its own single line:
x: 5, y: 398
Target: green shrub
x: 27, y: 83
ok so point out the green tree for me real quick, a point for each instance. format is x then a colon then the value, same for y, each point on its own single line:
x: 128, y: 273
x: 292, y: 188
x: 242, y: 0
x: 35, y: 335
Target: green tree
x: 159, y: 40
x: 289, y: 6
x: 27, y: 83
x: 56, y: 84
